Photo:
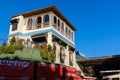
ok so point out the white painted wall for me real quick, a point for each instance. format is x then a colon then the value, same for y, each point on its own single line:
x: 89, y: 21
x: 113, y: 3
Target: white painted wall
x: 20, y: 27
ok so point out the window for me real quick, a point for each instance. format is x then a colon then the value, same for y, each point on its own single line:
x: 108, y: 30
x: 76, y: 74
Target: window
x: 69, y: 33
x: 66, y: 31
x: 72, y: 35
x: 55, y: 20
x: 38, y: 22
x: 58, y: 25
x: 46, y: 20
x: 14, y: 23
x: 62, y: 28
x: 29, y: 25
x: 14, y: 26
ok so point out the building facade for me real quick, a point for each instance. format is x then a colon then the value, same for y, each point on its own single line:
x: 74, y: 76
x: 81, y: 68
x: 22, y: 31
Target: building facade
x: 46, y: 26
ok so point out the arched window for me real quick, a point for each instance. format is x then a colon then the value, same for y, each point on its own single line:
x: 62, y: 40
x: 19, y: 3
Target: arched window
x: 66, y: 31
x: 62, y: 28
x: 38, y: 22
x: 55, y: 20
x: 58, y: 25
x: 46, y: 20
x: 29, y: 25
x: 72, y: 35
x: 69, y: 33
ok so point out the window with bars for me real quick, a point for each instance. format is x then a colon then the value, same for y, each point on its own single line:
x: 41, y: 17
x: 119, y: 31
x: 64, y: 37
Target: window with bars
x: 14, y: 23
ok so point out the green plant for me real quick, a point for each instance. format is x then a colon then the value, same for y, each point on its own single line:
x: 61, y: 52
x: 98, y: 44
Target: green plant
x: 49, y: 48
x: 13, y: 41
x: 9, y: 49
x: 52, y: 57
x: 2, y: 49
x: 43, y: 52
x: 20, y: 41
x: 19, y: 47
x: 47, y: 54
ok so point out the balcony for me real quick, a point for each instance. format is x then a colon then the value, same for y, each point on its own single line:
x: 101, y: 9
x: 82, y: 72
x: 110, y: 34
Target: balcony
x: 38, y: 26
x: 62, y: 31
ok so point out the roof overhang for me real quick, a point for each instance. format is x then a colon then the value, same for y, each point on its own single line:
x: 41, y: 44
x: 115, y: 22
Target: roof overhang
x: 100, y: 60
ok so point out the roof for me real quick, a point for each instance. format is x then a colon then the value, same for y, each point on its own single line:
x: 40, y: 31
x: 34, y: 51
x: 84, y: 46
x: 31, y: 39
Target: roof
x: 47, y: 9
x: 100, y: 60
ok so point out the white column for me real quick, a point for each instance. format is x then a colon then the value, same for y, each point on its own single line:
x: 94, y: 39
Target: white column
x: 51, y: 19
x: 74, y: 59
x: 42, y: 21
x: 49, y: 39
x: 57, y: 54
x: 67, y: 56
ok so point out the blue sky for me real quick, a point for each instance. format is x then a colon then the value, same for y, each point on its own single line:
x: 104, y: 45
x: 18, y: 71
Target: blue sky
x: 97, y: 22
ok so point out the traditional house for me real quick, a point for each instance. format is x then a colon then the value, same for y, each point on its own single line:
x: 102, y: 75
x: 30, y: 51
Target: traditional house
x: 46, y: 26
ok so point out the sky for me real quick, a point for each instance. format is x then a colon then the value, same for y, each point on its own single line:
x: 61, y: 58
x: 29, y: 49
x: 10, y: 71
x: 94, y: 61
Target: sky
x: 97, y: 22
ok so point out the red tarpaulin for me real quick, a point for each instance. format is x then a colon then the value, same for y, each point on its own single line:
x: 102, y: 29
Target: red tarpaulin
x: 47, y: 71
x: 24, y: 70
x: 70, y: 73
x: 78, y: 77
x: 16, y: 70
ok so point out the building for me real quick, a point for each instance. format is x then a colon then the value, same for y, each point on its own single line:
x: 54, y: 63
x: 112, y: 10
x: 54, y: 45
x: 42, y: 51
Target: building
x: 46, y: 26
x: 103, y: 68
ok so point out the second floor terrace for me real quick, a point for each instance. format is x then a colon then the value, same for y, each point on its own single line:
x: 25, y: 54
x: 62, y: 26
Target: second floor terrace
x: 41, y: 21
